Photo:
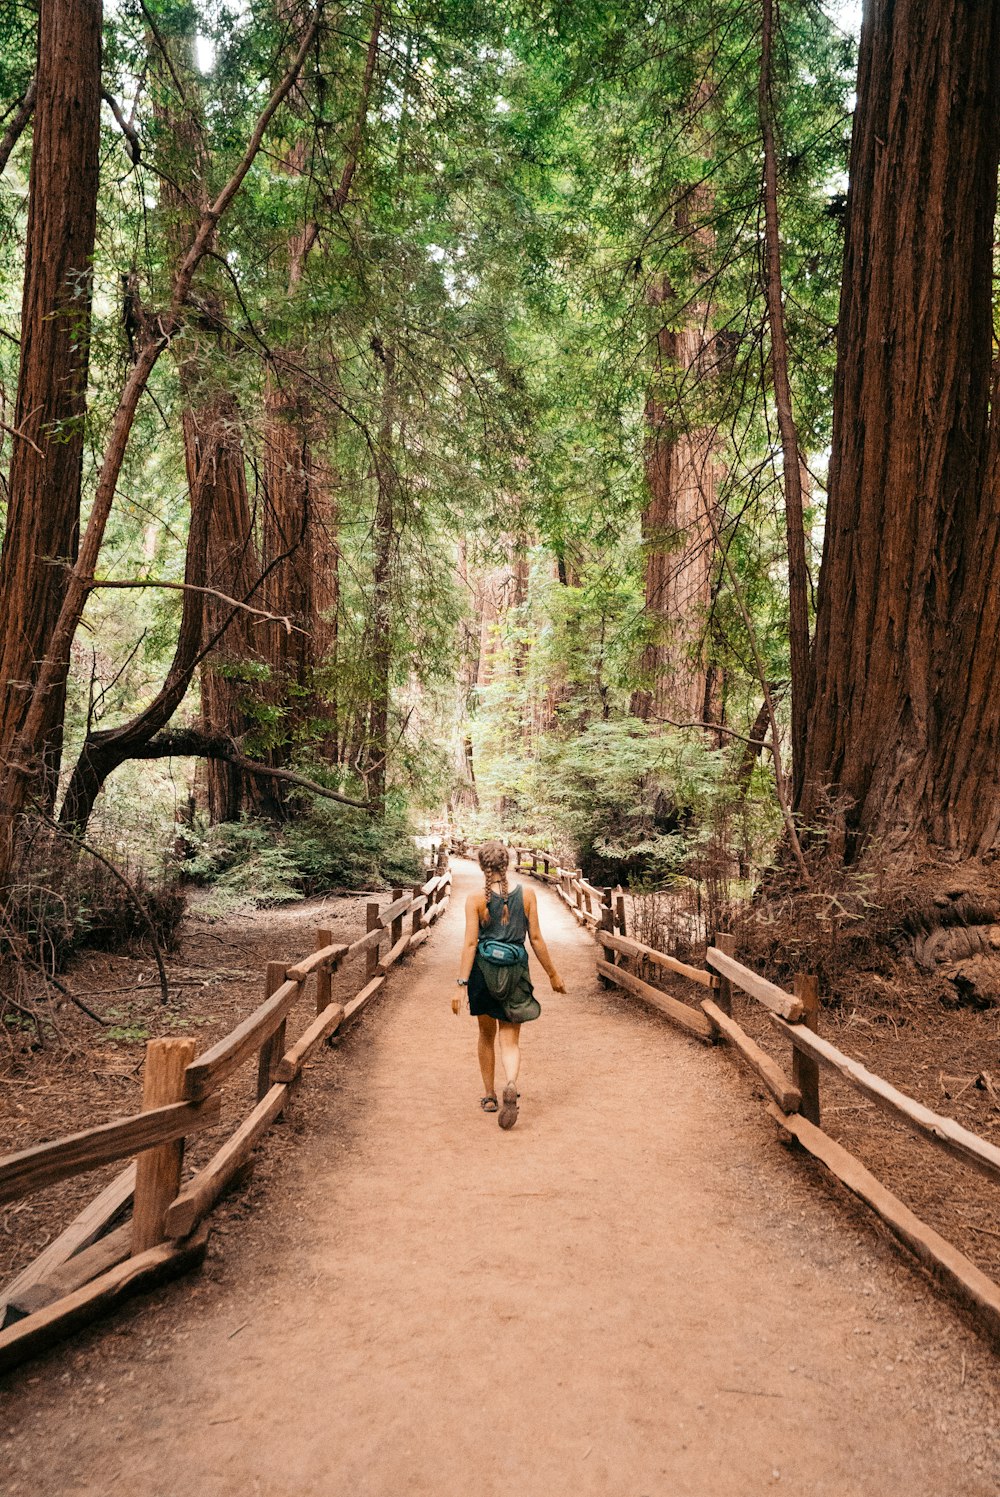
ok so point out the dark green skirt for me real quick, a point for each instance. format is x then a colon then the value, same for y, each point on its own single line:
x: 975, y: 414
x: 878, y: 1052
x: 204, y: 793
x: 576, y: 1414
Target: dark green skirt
x: 481, y: 1001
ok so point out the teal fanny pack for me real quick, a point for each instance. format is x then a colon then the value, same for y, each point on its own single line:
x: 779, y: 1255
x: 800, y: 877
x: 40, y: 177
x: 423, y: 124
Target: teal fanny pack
x: 502, y: 953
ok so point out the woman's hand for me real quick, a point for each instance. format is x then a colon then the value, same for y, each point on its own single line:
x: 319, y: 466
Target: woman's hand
x: 558, y: 986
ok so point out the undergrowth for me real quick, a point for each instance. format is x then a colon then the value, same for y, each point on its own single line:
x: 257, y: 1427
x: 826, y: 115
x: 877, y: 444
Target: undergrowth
x: 62, y: 897
x: 330, y: 849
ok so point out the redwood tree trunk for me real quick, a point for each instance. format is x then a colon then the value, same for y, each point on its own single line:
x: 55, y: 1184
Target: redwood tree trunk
x: 791, y: 467
x: 233, y: 568
x: 681, y: 477
x: 904, y: 716
x: 377, y: 754
x: 43, y: 509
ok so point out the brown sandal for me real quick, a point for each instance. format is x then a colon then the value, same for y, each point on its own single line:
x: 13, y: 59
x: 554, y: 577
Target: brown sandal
x: 508, y: 1112
x: 489, y: 1104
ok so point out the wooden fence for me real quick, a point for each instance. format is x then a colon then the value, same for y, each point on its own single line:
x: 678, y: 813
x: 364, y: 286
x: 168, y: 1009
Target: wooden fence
x: 89, y: 1269
x: 586, y: 902
x: 795, y: 1094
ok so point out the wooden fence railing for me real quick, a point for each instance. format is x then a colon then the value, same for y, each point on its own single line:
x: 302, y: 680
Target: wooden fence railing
x: 88, y: 1269
x: 586, y: 902
x: 795, y: 1107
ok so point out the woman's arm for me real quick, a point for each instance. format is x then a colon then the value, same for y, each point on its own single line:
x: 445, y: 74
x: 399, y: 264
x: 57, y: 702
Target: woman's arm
x: 537, y: 940
x: 471, y: 937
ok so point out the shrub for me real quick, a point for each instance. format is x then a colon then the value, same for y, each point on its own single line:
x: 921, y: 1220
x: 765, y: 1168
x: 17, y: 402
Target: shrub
x: 329, y: 848
x: 62, y: 897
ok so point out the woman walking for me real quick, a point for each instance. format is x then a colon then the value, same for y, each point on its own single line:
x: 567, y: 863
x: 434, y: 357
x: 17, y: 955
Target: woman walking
x: 494, y: 969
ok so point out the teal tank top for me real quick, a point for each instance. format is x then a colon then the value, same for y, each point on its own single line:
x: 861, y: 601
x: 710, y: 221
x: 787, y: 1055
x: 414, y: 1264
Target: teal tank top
x: 517, y: 925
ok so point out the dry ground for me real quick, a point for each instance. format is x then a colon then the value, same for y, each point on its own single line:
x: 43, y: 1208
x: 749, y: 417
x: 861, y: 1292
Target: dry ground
x: 636, y: 1291
x: 216, y: 979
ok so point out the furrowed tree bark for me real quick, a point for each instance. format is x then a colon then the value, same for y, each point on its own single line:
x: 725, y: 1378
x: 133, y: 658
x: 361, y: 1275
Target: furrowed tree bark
x: 43, y: 505
x: 904, y: 715
x: 791, y: 470
x: 300, y: 512
x: 681, y: 477
x: 234, y: 567
x: 384, y: 539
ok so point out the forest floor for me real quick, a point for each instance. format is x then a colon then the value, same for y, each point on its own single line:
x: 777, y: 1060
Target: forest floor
x: 216, y: 978
x: 637, y: 1290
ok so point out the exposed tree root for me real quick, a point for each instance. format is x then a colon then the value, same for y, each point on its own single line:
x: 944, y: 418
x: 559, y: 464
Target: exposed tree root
x: 934, y: 930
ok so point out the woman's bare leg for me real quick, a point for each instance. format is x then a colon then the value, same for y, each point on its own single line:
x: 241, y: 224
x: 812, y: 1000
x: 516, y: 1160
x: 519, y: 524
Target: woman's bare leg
x: 510, y: 1051
x: 487, y: 1052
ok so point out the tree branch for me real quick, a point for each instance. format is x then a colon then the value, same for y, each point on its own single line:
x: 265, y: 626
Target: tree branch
x: 127, y: 129
x: 12, y: 134
x: 212, y: 592
x: 190, y: 742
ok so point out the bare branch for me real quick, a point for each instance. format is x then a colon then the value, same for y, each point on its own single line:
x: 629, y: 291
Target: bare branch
x: 127, y: 129
x: 133, y: 893
x: 212, y: 592
x: 12, y: 134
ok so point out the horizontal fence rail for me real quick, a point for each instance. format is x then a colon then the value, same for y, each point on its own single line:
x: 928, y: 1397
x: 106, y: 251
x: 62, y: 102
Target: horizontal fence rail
x: 625, y: 963
x: 94, y: 1264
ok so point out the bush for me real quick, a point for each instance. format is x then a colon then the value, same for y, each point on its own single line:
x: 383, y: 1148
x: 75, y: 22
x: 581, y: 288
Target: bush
x: 336, y: 848
x: 62, y: 897
x: 329, y: 849
x: 631, y: 800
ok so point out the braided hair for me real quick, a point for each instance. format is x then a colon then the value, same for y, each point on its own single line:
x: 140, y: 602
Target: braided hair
x: 493, y: 860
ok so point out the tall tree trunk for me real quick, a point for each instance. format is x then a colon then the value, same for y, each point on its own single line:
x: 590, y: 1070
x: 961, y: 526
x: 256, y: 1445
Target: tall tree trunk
x: 301, y: 513
x: 681, y: 475
x: 324, y: 623
x: 43, y: 509
x: 287, y: 532
x: 385, y: 542
x: 228, y: 673
x: 904, y: 716
x: 221, y: 526
x: 791, y: 471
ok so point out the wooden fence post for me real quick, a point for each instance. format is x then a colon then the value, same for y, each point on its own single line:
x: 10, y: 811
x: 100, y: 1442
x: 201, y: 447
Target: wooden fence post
x: 158, y: 1171
x: 396, y: 927
x: 724, y: 996
x: 608, y: 924
x: 418, y: 915
x: 324, y: 977
x: 805, y: 1070
x: 273, y: 1047
x: 620, y: 910
x: 371, y: 955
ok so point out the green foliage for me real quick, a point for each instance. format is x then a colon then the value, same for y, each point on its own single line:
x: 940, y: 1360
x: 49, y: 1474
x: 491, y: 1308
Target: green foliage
x: 541, y: 193
x: 327, y: 850
x: 631, y: 801
x: 243, y: 861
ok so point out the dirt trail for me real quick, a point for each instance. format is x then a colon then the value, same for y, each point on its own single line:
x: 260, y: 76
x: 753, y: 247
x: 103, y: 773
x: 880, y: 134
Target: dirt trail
x: 637, y: 1291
